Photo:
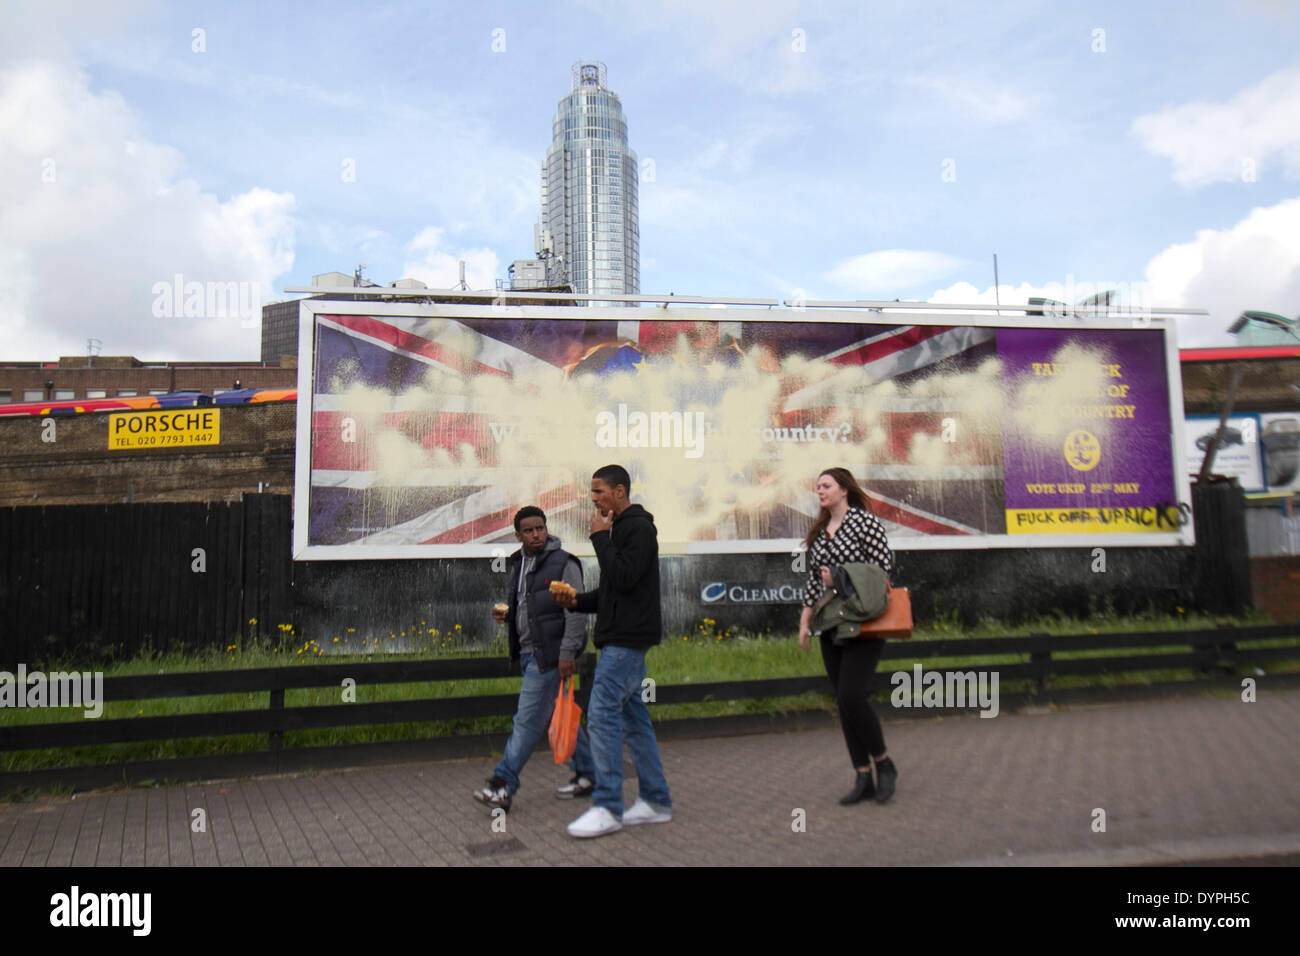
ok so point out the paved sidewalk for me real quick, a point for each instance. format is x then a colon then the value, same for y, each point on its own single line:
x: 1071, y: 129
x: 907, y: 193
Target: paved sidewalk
x: 1194, y: 778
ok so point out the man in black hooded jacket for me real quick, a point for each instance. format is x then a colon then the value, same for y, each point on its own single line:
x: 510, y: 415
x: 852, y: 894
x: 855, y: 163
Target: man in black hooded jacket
x: 628, y: 623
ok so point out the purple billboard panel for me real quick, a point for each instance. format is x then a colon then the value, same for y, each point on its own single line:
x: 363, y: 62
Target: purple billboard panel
x: 1086, y: 435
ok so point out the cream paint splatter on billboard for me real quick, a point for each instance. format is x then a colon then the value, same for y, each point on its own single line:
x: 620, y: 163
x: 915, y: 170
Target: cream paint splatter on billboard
x: 724, y: 426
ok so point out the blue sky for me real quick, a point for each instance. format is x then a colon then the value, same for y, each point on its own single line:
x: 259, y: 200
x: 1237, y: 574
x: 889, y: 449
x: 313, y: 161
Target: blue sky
x: 825, y: 150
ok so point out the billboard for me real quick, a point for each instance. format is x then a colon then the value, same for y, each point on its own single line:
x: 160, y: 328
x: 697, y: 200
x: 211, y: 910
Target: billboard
x: 1240, y: 453
x: 423, y: 428
x: 1280, y: 436
x: 1260, y: 449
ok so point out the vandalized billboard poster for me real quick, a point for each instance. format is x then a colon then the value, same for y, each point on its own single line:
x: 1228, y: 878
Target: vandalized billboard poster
x: 422, y: 429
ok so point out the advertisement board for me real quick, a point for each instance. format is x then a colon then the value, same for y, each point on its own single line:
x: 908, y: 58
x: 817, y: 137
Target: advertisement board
x: 1240, y: 452
x: 169, y: 429
x: 1280, y: 438
x: 423, y: 428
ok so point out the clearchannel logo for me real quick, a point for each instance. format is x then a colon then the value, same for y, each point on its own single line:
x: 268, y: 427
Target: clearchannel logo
x: 721, y: 591
x: 713, y: 592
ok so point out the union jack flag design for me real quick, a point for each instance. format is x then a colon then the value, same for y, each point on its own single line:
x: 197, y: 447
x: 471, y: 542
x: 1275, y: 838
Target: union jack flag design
x: 412, y: 380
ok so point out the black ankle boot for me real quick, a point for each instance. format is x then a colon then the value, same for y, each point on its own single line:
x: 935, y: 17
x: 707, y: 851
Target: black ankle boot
x: 863, y: 788
x: 886, y: 780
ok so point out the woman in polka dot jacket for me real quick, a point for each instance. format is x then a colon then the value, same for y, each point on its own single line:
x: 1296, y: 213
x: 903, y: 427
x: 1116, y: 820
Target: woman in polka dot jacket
x: 846, y: 532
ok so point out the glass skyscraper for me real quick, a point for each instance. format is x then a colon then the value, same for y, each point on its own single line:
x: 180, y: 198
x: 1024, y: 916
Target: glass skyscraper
x: 589, y: 191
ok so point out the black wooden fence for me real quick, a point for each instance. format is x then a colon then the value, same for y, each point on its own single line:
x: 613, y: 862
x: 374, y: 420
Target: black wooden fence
x: 84, y: 582
x: 101, y: 580
x: 1216, y: 653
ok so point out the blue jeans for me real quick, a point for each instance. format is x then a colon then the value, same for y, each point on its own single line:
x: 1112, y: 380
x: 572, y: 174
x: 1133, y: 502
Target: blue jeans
x: 619, y: 714
x: 532, y: 720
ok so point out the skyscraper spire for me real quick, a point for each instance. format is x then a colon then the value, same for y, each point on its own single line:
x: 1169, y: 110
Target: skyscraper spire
x: 589, y: 191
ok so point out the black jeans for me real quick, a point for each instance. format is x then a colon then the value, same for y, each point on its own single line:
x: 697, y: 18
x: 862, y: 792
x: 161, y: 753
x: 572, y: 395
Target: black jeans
x: 850, y: 666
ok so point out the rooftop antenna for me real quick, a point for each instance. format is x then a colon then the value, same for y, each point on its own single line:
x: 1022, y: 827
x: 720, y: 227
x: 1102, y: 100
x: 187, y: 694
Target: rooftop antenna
x: 93, y: 347
x: 462, y: 284
x: 997, y: 295
x: 356, y: 276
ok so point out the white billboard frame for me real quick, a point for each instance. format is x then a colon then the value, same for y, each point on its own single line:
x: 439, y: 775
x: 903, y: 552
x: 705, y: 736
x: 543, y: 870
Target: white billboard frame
x: 909, y: 313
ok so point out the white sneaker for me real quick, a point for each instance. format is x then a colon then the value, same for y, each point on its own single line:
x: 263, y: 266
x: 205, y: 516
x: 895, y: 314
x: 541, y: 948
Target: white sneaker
x: 642, y: 812
x: 595, y: 822
x: 579, y: 786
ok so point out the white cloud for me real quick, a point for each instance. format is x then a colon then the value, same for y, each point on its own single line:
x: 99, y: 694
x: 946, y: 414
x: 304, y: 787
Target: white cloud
x: 1254, y: 264
x: 1226, y: 142
x: 427, y: 261
x: 892, y: 270
x: 964, y: 293
x: 495, y: 196
x: 1073, y: 291
x: 53, y: 28
x: 93, y: 217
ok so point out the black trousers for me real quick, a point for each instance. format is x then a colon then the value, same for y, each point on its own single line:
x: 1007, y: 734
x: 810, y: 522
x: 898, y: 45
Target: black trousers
x: 850, y: 666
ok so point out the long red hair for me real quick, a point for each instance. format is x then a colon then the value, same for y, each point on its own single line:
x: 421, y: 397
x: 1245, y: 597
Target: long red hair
x: 857, y: 499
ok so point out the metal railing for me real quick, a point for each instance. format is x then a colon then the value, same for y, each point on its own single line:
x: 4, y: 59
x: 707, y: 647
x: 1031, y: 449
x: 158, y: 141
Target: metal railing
x: 1036, y: 659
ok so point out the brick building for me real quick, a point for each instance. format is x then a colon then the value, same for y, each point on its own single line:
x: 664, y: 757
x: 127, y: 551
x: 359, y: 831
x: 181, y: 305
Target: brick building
x: 111, y: 376
x: 80, y: 466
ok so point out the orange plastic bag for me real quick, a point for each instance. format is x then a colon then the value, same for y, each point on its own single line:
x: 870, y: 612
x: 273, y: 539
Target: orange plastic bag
x: 897, y: 619
x: 564, y: 723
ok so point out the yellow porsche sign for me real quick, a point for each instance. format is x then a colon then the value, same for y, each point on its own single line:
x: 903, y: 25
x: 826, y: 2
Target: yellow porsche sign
x: 170, y: 429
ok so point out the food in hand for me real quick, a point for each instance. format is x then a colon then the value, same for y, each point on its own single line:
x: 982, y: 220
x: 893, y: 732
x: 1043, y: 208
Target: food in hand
x: 501, y: 608
x: 560, y: 589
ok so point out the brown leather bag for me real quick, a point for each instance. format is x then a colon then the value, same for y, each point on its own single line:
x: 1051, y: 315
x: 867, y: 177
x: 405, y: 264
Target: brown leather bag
x: 896, y: 622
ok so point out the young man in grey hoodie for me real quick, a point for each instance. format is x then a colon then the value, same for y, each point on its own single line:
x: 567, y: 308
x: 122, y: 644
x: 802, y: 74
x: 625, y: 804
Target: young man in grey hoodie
x: 545, y: 640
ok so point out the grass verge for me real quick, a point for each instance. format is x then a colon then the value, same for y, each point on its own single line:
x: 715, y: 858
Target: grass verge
x: 707, y: 655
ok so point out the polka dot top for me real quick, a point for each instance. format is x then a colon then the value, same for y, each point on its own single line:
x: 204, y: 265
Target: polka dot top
x: 860, y: 538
